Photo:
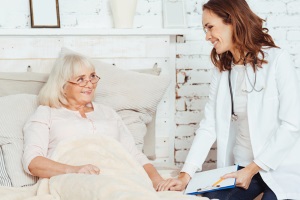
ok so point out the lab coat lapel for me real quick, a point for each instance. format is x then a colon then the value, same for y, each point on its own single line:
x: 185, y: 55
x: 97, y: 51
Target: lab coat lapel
x: 223, y: 117
x: 233, y: 77
x: 254, y: 98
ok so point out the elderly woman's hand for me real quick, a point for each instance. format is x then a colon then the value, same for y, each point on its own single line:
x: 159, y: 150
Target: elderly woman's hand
x: 172, y: 184
x: 86, y: 169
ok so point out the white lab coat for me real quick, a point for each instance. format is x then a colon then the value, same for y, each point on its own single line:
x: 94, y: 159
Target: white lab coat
x: 274, y: 123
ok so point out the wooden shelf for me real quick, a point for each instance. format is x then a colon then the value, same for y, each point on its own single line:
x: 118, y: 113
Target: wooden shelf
x: 90, y: 32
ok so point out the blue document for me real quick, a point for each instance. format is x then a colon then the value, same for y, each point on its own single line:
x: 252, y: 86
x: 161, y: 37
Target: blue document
x: 210, y: 180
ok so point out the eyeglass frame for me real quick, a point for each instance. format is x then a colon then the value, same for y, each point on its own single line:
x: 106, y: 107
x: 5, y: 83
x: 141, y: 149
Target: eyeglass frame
x: 85, y: 81
x: 207, y: 29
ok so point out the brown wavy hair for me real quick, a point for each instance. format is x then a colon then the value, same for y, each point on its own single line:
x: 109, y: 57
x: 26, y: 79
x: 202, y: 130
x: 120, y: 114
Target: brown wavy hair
x: 249, y: 36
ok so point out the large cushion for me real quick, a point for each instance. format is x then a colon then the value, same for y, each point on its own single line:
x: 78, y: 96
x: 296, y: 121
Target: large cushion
x: 15, y: 110
x: 17, y: 83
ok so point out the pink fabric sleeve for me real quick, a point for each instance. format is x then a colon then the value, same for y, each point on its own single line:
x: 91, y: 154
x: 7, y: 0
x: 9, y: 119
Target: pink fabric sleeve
x: 36, y: 136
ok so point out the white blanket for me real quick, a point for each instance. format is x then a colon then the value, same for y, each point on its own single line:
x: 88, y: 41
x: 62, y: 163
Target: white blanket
x: 120, y: 178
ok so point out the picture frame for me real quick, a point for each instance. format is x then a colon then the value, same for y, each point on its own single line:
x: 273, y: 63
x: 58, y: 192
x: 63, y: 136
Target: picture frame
x: 44, y: 14
x: 174, y: 14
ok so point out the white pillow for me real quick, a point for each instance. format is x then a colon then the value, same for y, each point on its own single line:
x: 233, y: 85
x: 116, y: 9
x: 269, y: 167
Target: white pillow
x: 15, y: 110
x: 4, y: 177
x: 22, y: 82
x: 126, y: 89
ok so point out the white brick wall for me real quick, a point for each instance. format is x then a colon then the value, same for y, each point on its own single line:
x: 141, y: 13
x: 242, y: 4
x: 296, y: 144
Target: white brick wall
x: 81, y: 13
x: 193, y: 62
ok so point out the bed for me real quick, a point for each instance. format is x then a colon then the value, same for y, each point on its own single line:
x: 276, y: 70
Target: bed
x: 120, y: 178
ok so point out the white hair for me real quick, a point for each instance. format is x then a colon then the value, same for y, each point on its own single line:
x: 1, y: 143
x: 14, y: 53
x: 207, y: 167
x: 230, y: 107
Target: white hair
x: 65, y: 67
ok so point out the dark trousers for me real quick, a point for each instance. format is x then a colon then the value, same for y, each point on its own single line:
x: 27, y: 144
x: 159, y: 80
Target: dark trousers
x: 256, y: 187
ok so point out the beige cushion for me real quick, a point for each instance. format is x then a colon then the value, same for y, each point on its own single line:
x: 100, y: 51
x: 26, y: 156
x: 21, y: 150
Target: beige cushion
x: 17, y: 83
x: 15, y: 110
x: 125, y: 89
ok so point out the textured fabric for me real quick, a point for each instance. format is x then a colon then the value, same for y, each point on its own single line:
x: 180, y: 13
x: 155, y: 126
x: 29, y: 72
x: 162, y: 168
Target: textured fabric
x: 125, y: 89
x: 4, y: 178
x: 149, y: 140
x: 48, y: 126
x: 12, y: 156
x: 136, y: 125
x: 15, y: 110
x: 120, y: 174
x: 16, y: 83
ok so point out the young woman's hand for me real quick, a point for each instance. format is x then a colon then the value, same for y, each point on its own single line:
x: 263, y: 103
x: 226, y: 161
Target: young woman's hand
x: 244, y: 176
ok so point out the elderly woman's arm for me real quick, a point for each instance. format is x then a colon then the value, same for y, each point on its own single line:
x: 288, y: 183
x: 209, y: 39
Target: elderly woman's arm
x: 153, y: 175
x: 36, y: 143
x: 46, y: 168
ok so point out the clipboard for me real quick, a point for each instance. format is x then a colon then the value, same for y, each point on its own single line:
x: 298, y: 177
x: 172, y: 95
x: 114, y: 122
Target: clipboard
x: 209, y: 181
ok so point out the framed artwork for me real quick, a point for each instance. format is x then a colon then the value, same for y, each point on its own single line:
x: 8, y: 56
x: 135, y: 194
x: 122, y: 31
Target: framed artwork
x: 44, y: 14
x: 174, y: 14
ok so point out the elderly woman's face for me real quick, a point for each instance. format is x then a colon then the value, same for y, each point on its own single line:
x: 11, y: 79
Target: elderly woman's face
x: 80, y: 89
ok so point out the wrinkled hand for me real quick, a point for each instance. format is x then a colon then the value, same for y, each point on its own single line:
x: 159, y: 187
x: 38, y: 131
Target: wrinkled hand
x: 87, y: 169
x: 243, y: 176
x: 177, y: 184
x: 170, y: 184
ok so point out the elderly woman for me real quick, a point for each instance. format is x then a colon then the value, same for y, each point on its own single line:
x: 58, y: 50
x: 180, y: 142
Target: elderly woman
x: 66, y: 109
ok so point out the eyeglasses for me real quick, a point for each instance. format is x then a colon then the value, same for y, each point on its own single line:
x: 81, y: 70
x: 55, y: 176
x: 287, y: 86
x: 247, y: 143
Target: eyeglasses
x: 81, y: 82
x: 207, y: 29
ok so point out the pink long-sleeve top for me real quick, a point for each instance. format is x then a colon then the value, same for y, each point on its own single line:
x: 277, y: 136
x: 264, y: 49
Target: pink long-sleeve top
x: 48, y: 126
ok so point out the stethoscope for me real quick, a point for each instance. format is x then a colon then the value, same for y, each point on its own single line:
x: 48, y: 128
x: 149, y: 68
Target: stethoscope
x: 234, y: 116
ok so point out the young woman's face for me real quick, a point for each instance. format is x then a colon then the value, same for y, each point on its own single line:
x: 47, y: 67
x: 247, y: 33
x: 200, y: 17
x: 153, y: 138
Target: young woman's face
x: 81, y: 95
x: 217, y: 32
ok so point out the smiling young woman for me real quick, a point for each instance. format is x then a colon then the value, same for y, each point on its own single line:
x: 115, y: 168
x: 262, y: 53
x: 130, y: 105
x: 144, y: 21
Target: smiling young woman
x: 251, y: 112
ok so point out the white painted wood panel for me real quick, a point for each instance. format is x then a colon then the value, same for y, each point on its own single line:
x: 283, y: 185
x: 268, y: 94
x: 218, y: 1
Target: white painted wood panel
x: 45, y: 64
x: 96, y: 46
